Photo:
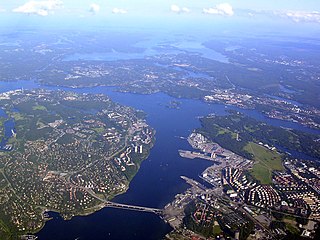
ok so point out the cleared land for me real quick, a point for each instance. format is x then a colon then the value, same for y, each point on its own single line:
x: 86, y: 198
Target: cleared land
x: 39, y: 107
x: 266, y: 161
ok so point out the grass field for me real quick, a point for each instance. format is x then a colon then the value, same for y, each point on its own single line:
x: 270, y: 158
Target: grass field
x: 39, y: 107
x: 5, y: 232
x: 266, y: 161
x: 291, y: 225
x: 17, y: 116
x: 216, y: 230
x: 99, y: 129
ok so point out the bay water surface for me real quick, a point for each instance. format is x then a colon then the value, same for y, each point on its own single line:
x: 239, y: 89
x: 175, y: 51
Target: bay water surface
x: 158, y: 179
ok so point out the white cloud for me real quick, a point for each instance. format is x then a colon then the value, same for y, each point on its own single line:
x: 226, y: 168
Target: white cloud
x: 210, y: 11
x: 186, y: 10
x: 2, y: 10
x: 94, y: 8
x: 295, y: 16
x: 220, y: 9
x: 300, y: 16
x: 119, y: 11
x: 177, y: 9
x: 42, y: 8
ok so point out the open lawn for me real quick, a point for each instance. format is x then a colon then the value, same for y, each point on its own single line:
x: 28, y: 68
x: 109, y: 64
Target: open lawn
x: 99, y: 129
x: 5, y: 232
x: 17, y: 116
x: 291, y: 225
x: 266, y: 161
x: 261, y: 173
x: 216, y: 230
x: 39, y: 107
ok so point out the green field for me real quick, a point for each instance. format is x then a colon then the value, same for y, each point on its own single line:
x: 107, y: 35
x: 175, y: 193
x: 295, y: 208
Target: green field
x: 17, y: 116
x: 5, y: 232
x: 216, y: 230
x: 99, y: 129
x: 266, y: 161
x: 291, y: 226
x: 39, y: 107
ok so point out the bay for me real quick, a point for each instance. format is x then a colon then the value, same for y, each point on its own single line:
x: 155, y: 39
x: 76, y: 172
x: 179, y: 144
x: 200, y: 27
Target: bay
x: 158, y: 179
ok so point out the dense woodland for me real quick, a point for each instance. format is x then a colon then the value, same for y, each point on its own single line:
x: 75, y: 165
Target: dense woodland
x: 223, y: 130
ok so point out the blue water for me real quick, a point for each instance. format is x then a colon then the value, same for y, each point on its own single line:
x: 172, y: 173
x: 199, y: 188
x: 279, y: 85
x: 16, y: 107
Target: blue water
x: 10, y: 44
x: 199, y: 48
x: 296, y: 154
x: 8, y: 128
x: 8, y: 86
x: 158, y: 180
x: 150, y: 49
x: 276, y: 122
x: 2, y: 113
x: 106, y: 224
x: 286, y: 90
x: 285, y: 99
x: 109, y: 56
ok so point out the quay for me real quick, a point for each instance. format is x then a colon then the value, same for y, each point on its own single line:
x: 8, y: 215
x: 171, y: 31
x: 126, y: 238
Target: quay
x: 193, y: 155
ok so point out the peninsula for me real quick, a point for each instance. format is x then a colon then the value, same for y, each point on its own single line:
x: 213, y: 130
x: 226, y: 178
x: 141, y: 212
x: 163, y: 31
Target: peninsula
x: 69, y: 153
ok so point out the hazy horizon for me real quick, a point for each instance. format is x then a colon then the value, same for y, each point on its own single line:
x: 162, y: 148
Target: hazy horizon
x: 292, y: 18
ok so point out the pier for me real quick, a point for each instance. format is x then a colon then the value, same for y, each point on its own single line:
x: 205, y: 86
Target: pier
x: 193, y: 155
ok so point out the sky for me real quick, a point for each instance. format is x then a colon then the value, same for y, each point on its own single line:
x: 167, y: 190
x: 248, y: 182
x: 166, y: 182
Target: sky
x: 247, y: 13
x: 162, y: 5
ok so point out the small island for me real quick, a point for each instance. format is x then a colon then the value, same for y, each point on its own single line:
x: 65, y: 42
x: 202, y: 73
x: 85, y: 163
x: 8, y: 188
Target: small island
x: 70, y: 153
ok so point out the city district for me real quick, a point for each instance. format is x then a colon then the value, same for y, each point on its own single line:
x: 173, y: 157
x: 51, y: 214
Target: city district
x: 67, y: 152
x: 230, y: 202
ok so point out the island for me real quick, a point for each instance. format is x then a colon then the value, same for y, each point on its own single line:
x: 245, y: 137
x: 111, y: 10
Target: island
x: 70, y: 153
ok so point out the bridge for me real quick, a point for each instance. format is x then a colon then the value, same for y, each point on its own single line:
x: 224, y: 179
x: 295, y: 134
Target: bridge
x: 133, y: 207
x: 124, y: 206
